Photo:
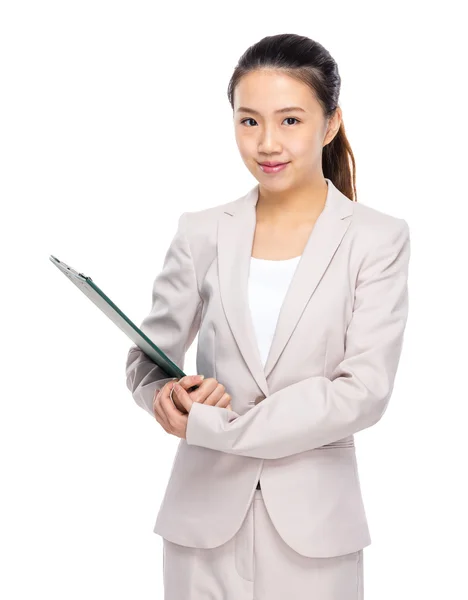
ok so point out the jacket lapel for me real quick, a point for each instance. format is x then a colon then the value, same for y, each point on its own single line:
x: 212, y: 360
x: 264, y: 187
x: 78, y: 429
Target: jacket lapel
x: 236, y: 231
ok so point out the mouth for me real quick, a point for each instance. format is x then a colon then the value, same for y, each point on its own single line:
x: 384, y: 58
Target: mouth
x: 273, y: 167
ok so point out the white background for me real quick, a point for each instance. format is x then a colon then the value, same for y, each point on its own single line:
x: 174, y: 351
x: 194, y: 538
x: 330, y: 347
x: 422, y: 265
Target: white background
x: 114, y: 120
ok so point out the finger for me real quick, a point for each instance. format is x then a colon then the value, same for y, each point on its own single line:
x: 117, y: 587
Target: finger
x: 216, y: 395
x: 173, y: 397
x: 206, y: 387
x: 183, y: 397
x: 209, y: 392
x: 159, y: 413
x: 177, y: 422
x: 225, y: 400
x: 161, y: 420
x: 171, y: 412
x: 189, y: 381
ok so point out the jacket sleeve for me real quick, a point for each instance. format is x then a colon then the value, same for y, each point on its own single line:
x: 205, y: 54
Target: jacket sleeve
x: 172, y: 323
x: 318, y: 410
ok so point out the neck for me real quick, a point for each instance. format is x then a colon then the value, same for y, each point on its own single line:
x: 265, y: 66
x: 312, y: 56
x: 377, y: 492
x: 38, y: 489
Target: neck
x: 292, y: 205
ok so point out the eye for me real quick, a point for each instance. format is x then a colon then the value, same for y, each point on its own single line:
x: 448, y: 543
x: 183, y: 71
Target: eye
x: 293, y: 118
x: 250, y: 119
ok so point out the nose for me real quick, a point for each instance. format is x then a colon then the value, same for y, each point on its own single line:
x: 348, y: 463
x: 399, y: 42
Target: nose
x: 268, y: 142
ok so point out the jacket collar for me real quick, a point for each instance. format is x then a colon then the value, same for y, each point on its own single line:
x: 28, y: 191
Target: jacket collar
x: 236, y: 232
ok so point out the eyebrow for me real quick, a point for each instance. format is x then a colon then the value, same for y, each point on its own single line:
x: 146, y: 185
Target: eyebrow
x: 281, y: 110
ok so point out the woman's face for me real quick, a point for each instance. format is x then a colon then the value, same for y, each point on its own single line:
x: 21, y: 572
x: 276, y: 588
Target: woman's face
x: 294, y: 136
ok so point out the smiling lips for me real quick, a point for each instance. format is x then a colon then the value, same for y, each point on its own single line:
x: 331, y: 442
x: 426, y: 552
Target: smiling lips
x: 272, y: 167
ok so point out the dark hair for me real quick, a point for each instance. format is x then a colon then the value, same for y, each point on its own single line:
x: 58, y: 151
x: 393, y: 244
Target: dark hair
x: 309, y: 62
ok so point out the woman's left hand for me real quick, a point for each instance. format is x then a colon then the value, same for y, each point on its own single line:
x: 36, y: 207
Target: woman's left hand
x: 167, y: 414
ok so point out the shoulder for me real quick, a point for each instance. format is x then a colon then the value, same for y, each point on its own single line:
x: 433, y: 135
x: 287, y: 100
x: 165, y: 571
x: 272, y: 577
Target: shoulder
x: 377, y: 239
x: 375, y: 227
x: 202, y: 224
x: 199, y: 229
x: 207, y: 216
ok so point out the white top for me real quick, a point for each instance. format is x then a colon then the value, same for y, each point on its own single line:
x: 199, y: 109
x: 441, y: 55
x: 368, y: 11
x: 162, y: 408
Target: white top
x: 268, y: 283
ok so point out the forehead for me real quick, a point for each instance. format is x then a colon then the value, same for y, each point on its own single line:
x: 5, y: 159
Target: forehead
x: 268, y: 90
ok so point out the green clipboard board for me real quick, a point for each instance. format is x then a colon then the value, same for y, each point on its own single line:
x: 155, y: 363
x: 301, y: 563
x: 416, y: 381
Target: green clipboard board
x: 102, y: 301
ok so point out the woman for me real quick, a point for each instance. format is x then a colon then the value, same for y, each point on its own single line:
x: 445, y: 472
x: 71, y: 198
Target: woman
x: 299, y: 296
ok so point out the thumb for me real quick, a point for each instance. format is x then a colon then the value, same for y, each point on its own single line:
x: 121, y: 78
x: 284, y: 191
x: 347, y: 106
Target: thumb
x: 183, y: 397
x: 189, y: 381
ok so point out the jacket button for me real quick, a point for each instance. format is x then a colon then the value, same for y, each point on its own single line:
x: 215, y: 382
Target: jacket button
x: 257, y: 399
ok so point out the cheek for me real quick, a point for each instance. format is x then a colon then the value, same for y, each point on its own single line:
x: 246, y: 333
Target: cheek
x: 306, y: 146
x: 246, y: 140
x: 246, y: 146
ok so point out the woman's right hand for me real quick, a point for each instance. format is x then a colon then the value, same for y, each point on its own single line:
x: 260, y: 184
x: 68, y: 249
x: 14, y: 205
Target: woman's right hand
x: 209, y: 391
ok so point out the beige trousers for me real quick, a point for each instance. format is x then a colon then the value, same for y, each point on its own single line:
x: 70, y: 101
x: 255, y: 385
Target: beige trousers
x: 256, y: 564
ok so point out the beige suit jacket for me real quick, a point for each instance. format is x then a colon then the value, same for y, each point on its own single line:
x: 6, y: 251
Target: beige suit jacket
x: 329, y: 374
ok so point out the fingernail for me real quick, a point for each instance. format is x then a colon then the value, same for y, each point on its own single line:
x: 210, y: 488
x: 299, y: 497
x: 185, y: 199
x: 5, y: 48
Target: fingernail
x: 201, y: 376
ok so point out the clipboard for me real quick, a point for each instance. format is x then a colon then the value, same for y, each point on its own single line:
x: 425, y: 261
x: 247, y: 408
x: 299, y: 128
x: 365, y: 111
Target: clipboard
x: 105, y: 304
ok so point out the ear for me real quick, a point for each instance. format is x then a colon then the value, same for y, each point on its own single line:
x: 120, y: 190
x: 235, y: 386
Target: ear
x: 333, y: 126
